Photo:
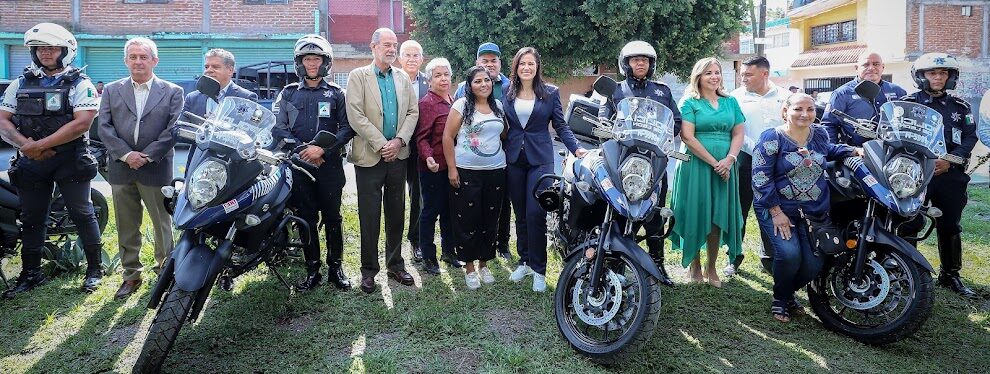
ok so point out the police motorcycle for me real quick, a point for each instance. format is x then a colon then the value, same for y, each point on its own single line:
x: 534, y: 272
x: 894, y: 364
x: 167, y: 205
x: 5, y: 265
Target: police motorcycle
x: 876, y: 287
x: 230, y: 209
x: 607, y: 300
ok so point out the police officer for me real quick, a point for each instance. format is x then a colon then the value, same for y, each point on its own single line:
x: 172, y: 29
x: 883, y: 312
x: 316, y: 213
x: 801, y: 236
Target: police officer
x: 934, y: 74
x: 869, y: 66
x: 302, y: 110
x: 45, y: 113
x: 638, y: 62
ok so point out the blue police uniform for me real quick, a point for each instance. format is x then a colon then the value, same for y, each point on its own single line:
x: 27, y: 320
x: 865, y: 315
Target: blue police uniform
x: 301, y: 112
x: 847, y: 101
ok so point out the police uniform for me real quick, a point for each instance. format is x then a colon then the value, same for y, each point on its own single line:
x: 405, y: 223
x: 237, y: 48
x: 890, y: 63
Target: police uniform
x: 947, y: 191
x: 301, y: 112
x: 658, y: 92
x: 40, y: 106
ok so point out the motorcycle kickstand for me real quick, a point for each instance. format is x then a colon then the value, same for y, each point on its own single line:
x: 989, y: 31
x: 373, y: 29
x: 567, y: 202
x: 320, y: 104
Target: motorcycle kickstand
x: 278, y: 275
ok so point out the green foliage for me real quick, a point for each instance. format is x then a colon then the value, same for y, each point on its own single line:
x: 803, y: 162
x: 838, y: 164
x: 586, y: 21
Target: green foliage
x: 576, y: 34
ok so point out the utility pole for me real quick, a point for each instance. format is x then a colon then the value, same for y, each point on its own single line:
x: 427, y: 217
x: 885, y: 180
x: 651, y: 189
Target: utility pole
x: 759, y: 41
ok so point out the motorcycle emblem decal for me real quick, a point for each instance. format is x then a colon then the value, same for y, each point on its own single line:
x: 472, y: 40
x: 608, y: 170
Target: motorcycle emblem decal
x: 230, y: 206
x: 870, y: 181
x: 264, y: 208
x: 607, y: 184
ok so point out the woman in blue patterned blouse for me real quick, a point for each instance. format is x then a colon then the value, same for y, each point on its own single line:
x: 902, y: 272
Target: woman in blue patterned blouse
x: 788, y: 178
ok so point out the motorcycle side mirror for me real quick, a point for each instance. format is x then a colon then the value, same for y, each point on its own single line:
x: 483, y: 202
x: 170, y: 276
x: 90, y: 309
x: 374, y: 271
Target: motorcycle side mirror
x: 605, y: 86
x: 868, y: 90
x: 324, y: 139
x: 208, y: 86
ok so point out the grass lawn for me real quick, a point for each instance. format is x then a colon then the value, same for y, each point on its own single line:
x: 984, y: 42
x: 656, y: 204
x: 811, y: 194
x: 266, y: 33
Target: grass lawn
x: 441, y: 326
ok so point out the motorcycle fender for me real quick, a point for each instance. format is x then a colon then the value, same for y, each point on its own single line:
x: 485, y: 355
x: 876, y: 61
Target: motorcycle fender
x: 881, y: 236
x: 197, y: 264
x: 619, y: 243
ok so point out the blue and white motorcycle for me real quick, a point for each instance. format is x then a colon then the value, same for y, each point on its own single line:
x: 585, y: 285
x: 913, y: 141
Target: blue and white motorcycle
x: 875, y: 286
x: 231, y: 210
x: 607, y: 300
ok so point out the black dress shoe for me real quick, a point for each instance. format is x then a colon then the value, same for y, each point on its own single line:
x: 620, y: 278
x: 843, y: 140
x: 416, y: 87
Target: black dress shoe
x: 368, y: 284
x: 92, y: 280
x: 451, y: 261
x: 313, y: 280
x: 417, y: 253
x: 226, y: 283
x: 337, y: 277
x: 431, y: 267
x: 27, y: 281
x: 402, y: 276
x: 955, y: 284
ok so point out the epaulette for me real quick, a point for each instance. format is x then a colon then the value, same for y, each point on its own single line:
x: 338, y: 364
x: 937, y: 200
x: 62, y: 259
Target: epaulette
x: 960, y: 101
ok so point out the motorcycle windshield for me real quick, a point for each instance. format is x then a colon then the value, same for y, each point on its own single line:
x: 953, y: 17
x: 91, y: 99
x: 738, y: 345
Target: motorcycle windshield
x: 644, y: 120
x: 913, y: 123
x: 239, y: 124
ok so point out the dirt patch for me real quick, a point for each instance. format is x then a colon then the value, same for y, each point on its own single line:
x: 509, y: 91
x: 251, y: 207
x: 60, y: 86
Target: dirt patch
x: 508, y: 325
x: 298, y: 323
x: 120, y: 337
x: 464, y: 360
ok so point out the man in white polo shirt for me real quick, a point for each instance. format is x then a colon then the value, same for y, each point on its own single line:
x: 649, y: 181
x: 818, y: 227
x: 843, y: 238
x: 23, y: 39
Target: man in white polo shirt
x: 761, y: 102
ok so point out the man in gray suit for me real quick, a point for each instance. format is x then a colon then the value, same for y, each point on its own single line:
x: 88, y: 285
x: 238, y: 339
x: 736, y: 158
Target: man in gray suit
x: 410, y: 59
x: 136, y: 117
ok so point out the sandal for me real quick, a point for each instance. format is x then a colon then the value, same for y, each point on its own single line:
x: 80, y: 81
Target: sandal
x: 795, y: 308
x: 780, y: 312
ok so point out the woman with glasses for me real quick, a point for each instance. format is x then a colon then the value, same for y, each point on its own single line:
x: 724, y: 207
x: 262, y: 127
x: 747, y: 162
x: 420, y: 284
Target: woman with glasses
x: 788, y: 181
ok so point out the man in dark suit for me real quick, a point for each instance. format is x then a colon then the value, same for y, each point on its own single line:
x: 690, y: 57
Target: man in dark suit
x: 219, y: 65
x: 136, y: 117
x: 410, y: 59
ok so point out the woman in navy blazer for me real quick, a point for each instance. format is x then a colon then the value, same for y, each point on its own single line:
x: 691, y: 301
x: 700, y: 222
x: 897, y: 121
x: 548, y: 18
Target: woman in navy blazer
x: 531, y: 106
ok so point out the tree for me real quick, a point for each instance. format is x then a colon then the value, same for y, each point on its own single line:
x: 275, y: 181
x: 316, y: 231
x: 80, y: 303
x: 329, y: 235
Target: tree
x: 575, y: 34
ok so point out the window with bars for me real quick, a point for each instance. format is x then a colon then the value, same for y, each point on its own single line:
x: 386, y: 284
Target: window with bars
x: 340, y: 79
x: 834, y: 33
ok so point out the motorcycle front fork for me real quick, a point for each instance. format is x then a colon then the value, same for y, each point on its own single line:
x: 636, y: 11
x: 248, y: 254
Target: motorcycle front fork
x: 598, y: 262
x: 862, y: 239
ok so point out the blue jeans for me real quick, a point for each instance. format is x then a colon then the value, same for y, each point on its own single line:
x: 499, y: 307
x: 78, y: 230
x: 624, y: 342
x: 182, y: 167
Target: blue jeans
x: 435, y: 189
x: 794, y: 263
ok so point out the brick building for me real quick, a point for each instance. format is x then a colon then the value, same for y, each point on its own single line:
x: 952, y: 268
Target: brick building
x: 254, y: 30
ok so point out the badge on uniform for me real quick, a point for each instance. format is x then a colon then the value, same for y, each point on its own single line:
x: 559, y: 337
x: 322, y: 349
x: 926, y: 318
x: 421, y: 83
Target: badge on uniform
x: 324, y: 109
x: 53, y: 101
x: 956, y: 135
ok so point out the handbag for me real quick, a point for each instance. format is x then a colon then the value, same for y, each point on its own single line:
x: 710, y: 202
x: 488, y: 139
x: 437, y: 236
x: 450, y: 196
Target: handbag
x: 825, y: 236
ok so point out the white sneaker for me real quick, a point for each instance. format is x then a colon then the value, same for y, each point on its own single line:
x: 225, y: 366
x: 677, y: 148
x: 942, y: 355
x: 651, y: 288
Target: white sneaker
x: 486, y: 275
x: 521, y: 272
x: 729, y: 270
x: 539, y: 282
x: 472, y: 281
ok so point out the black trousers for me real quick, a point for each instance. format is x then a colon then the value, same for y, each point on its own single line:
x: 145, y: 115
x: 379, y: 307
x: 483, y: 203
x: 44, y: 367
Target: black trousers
x: 655, y: 225
x: 474, y: 213
x: 72, y: 169
x: 746, y: 200
x: 319, y: 204
x: 948, y: 193
x: 383, y: 183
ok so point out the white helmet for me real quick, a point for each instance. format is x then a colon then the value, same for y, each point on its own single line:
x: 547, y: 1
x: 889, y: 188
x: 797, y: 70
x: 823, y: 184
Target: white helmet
x: 51, y: 35
x: 637, y: 48
x: 930, y: 61
x: 313, y: 44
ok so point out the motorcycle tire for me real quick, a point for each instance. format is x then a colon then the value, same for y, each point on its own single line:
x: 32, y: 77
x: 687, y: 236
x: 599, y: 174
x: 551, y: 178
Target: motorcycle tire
x: 172, y: 314
x: 642, y: 324
x: 100, y: 208
x: 909, y: 320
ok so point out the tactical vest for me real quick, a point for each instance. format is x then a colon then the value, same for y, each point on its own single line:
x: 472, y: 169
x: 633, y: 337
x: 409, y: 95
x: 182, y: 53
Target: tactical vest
x: 41, y: 111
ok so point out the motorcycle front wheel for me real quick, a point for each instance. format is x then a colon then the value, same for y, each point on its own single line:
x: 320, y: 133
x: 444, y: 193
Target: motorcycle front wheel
x: 889, y: 302
x: 164, y: 329
x: 617, y: 318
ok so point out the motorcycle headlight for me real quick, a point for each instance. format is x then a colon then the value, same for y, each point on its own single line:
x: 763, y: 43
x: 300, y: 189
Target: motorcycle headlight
x: 904, y: 176
x: 636, y: 174
x: 206, y: 182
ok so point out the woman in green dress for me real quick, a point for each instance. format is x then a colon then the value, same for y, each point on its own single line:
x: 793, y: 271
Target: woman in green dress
x: 706, y: 189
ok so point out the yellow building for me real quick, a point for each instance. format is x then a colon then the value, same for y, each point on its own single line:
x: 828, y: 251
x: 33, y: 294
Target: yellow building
x: 832, y: 34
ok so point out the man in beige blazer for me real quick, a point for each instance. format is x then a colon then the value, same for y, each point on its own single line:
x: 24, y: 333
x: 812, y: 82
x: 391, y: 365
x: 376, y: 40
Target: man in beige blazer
x: 382, y: 108
x: 136, y: 117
